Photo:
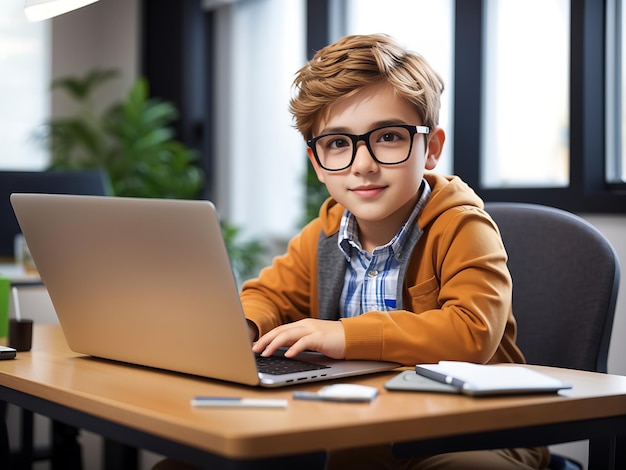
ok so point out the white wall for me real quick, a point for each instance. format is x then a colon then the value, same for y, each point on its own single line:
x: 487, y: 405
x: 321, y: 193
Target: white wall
x: 262, y: 160
x: 103, y: 35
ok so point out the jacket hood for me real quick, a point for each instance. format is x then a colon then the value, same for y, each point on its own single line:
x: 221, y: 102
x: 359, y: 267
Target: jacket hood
x: 447, y: 192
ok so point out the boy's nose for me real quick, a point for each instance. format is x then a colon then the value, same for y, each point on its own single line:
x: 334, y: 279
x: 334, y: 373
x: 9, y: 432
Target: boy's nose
x: 363, y: 160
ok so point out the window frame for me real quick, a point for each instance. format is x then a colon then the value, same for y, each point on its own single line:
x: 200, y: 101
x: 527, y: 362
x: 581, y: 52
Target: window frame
x: 614, y: 98
x: 588, y: 190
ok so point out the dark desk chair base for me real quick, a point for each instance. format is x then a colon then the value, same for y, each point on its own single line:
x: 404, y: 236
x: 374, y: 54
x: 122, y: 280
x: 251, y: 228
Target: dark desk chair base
x: 558, y: 462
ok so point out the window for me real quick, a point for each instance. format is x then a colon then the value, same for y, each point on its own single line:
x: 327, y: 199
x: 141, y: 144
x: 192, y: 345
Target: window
x: 525, y: 126
x: 262, y: 158
x: 616, y: 97
x: 24, y: 58
x: 583, y: 187
x: 540, y: 140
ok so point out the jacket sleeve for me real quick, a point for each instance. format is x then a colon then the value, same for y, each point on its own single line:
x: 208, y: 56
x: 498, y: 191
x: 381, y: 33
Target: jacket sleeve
x: 283, y: 291
x: 457, y: 297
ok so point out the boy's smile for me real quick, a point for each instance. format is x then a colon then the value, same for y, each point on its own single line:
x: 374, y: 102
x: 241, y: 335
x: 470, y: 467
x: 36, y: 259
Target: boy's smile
x: 368, y: 191
x: 380, y: 196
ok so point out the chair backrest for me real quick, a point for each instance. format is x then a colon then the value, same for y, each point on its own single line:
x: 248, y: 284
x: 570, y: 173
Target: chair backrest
x: 565, y: 282
x: 84, y: 182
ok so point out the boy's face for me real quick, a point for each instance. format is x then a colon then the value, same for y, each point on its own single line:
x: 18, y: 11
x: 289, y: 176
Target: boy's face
x: 378, y: 195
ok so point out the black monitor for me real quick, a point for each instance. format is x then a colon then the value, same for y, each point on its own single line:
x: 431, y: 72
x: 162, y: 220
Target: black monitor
x: 85, y: 182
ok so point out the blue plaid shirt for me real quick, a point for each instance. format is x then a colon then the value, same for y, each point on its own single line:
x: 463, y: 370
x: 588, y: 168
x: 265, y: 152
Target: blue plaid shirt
x: 371, y: 280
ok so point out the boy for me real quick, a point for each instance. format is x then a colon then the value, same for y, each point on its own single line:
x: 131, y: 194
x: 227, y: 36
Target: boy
x: 407, y: 262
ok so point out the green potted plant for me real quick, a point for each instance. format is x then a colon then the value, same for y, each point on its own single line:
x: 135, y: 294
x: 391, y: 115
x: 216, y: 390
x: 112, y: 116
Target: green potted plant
x: 131, y: 141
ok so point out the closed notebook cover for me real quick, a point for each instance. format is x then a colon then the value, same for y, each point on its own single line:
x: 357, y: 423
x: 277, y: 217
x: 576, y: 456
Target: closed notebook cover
x: 490, y: 379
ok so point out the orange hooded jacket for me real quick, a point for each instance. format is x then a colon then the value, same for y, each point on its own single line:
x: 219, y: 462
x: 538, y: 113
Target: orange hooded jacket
x: 455, y: 288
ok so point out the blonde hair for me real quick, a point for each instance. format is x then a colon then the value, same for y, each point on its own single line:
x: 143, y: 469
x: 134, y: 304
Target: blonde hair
x: 354, y: 62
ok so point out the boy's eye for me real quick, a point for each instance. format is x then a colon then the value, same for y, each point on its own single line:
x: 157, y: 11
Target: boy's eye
x: 338, y: 142
x: 388, y: 137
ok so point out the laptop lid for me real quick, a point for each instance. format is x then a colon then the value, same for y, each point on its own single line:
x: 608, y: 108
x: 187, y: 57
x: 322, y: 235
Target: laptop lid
x: 149, y: 282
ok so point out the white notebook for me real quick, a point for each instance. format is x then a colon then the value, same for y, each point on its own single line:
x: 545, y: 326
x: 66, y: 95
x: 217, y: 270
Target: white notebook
x: 490, y: 379
x: 475, y: 379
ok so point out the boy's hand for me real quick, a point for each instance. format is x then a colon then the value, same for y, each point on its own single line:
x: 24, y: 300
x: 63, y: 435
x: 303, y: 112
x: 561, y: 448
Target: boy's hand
x: 324, y: 336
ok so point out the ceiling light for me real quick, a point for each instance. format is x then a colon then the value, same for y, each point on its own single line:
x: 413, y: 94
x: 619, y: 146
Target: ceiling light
x: 37, y: 10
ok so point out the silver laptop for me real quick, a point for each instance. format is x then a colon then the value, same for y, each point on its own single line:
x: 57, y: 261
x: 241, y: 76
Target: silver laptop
x: 149, y: 282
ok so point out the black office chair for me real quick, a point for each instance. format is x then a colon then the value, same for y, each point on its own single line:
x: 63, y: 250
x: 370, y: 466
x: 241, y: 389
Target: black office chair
x: 565, y: 282
x: 65, y: 452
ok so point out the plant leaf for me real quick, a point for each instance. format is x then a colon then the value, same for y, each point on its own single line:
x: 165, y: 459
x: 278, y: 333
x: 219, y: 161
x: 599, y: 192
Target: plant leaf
x: 81, y: 88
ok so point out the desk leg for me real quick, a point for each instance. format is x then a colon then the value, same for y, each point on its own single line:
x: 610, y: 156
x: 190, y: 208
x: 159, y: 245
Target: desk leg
x: 620, y: 452
x: 66, y: 451
x: 607, y: 453
x: 5, y: 455
x: 118, y: 456
x: 27, y: 439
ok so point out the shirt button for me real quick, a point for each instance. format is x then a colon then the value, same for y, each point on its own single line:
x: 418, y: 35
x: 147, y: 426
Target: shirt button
x: 372, y: 273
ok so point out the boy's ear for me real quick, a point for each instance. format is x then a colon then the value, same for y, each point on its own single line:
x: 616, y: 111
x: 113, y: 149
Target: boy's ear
x: 318, y: 170
x: 437, y: 137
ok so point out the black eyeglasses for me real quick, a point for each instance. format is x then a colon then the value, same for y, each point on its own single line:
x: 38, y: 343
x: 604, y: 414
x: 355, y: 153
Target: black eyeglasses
x: 388, y: 145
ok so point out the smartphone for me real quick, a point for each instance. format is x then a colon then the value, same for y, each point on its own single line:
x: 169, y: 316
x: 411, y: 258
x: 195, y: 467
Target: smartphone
x: 7, y: 352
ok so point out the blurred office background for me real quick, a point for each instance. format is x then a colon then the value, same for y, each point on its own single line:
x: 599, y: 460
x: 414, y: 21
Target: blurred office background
x: 532, y: 108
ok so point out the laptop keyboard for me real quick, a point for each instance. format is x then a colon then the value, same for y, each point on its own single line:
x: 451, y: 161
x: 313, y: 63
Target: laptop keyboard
x: 276, y: 365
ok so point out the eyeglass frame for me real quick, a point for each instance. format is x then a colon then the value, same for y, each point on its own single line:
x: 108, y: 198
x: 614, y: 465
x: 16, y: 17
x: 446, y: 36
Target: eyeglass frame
x: 413, y: 131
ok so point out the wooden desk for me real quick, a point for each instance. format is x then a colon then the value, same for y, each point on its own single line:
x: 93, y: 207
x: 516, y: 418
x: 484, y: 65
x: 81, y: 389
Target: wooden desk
x: 150, y: 409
